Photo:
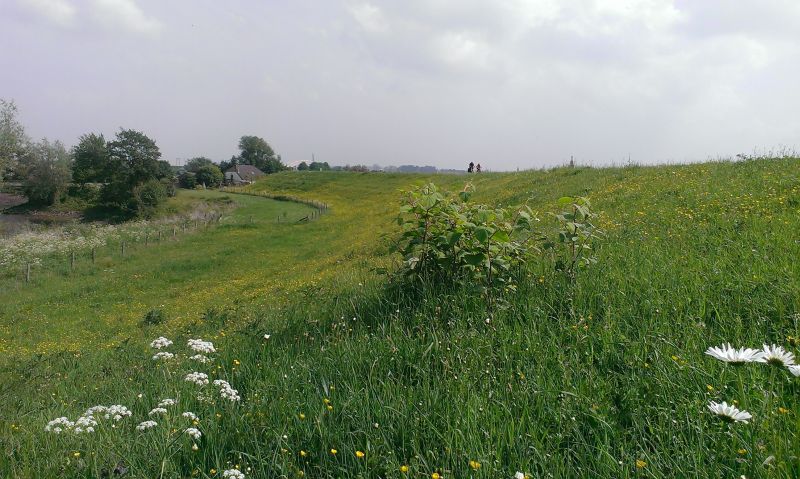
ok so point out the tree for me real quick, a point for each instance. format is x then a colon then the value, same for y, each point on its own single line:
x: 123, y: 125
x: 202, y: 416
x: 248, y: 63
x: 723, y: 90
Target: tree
x: 226, y: 165
x: 196, y: 163
x: 319, y: 166
x: 187, y: 180
x: 13, y: 140
x: 91, y: 160
x: 133, y: 161
x: 46, y: 172
x: 303, y: 166
x: 257, y: 152
x: 148, y: 196
x: 209, y: 175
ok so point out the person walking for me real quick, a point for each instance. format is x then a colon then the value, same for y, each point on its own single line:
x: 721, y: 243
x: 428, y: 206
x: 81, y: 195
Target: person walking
x: 478, y: 168
x: 471, y: 167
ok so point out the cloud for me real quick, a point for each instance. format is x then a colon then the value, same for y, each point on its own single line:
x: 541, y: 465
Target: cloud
x: 60, y: 12
x: 369, y: 17
x: 124, y: 14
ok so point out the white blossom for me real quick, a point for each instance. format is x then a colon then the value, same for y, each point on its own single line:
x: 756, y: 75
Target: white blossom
x: 160, y: 343
x: 232, y: 474
x: 59, y: 424
x: 156, y: 411
x: 732, y: 355
x: 200, y: 358
x: 190, y: 415
x: 201, y: 379
x: 146, y: 425
x: 795, y: 370
x: 200, y: 346
x: 194, y: 432
x: 777, y: 356
x: 226, y: 391
x: 117, y: 412
x: 163, y: 355
x: 729, y: 413
x: 167, y: 402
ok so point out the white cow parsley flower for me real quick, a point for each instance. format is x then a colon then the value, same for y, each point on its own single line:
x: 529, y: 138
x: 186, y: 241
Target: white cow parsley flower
x: 226, y: 391
x: 59, y: 424
x: 201, y: 379
x: 190, y: 415
x: 200, y: 358
x: 117, y: 412
x: 777, y: 356
x: 729, y: 413
x: 146, y: 425
x: 728, y: 354
x: 160, y: 343
x: 232, y: 474
x: 157, y: 410
x: 167, y: 402
x: 194, y: 432
x: 200, y: 346
x: 163, y: 355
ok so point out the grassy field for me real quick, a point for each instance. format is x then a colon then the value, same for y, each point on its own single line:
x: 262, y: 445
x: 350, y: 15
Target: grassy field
x: 355, y: 379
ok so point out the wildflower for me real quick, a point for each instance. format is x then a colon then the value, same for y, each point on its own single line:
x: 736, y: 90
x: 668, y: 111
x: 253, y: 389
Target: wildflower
x: 200, y: 346
x: 117, y: 412
x: 160, y: 343
x: 640, y: 464
x: 303, y: 453
x: 194, y: 432
x: 267, y: 336
x: 334, y: 451
x: 146, y: 425
x: 475, y: 465
x: 212, y: 471
x: 59, y: 424
x: 166, y: 402
x: 795, y: 370
x: 777, y: 356
x: 404, y: 469
x: 190, y: 415
x: 163, y: 355
x: 236, y: 362
x: 226, y: 391
x: 729, y: 413
x: 436, y: 475
x: 728, y: 354
x: 200, y: 358
x: 201, y: 379
x: 783, y: 410
x: 157, y: 410
x: 329, y: 407
x: 359, y: 454
x: 195, y: 447
x: 301, y: 416
x: 76, y: 454
x: 233, y: 474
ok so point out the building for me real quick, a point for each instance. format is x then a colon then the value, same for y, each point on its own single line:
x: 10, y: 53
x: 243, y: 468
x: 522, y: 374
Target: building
x: 242, y: 175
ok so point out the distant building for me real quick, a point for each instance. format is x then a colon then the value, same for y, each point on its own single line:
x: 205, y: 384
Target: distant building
x: 293, y: 165
x: 242, y: 175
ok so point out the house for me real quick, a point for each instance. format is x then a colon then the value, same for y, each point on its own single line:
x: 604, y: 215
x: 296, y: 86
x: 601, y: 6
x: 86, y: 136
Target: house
x: 242, y: 175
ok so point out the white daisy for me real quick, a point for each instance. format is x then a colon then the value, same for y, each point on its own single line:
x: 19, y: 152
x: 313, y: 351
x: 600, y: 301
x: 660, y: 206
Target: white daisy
x: 777, y: 356
x: 729, y: 413
x: 728, y: 354
x: 795, y: 369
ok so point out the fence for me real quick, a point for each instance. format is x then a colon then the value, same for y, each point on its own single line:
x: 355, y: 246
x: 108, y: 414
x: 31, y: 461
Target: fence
x: 320, y: 208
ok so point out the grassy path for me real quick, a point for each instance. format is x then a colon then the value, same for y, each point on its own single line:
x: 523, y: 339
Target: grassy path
x: 101, y: 306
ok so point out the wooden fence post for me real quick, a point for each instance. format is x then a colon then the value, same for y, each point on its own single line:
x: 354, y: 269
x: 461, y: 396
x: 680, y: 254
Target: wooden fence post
x: 123, y: 249
x: 27, y: 272
x: 72, y: 260
x: 94, y: 254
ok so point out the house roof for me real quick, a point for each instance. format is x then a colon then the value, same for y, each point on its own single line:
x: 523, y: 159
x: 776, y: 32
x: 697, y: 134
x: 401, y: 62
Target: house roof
x: 247, y: 172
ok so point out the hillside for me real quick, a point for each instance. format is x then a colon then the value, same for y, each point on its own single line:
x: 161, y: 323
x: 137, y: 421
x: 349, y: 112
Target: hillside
x: 356, y: 379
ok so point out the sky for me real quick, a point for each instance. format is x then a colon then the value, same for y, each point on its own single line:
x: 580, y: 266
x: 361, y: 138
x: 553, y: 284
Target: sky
x: 506, y: 83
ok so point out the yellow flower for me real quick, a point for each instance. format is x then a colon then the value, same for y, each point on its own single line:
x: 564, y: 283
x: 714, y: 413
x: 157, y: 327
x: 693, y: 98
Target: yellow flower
x: 359, y: 454
x: 436, y: 475
x: 334, y: 451
x: 404, y: 469
x: 301, y: 416
x: 236, y: 362
x: 212, y: 471
x: 709, y: 387
x: 640, y: 463
x: 326, y: 401
x: 300, y: 473
x: 330, y: 408
x: 194, y: 447
x: 475, y: 465
x: 76, y: 454
x: 782, y: 410
x: 742, y: 451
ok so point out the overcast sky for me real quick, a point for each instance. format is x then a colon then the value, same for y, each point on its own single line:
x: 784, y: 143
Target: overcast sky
x: 507, y: 83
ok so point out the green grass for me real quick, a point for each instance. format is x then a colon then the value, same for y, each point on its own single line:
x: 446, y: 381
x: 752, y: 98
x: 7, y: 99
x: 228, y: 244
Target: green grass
x: 694, y: 256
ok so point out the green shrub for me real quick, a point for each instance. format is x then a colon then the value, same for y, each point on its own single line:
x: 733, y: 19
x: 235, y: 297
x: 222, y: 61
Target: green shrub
x: 154, y: 317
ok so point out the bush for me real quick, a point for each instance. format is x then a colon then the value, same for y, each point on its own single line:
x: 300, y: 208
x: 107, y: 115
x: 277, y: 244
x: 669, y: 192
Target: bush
x: 148, y: 196
x: 153, y: 317
x: 187, y: 180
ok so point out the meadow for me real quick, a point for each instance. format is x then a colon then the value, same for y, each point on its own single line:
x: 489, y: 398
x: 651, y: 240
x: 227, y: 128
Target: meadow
x: 320, y: 367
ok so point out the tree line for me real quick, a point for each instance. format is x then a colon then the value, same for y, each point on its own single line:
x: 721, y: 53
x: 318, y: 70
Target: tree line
x: 124, y: 174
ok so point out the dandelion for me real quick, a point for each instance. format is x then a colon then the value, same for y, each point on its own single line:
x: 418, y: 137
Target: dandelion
x: 143, y: 426
x: 166, y: 402
x: 233, y: 474
x: 200, y: 358
x: 475, y: 465
x: 163, y: 355
x: 729, y: 413
x: 194, y: 432
x: 404, y: 469
x: 360, y: 454
x: 201, y: 379
x: 190, y: 416
x: 156, y: 411
x: 200, y: 346
x: 731, y: 355
x: 160, y: 343
x: 777, y: 356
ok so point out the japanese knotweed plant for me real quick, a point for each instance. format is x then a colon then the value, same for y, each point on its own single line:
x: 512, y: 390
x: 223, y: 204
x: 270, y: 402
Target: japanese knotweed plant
x: 446, y: 239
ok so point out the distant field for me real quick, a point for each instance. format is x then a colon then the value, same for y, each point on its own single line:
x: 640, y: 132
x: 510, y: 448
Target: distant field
x: 355, y: 379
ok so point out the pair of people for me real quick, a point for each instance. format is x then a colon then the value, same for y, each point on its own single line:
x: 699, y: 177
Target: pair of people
x: 472, y: 167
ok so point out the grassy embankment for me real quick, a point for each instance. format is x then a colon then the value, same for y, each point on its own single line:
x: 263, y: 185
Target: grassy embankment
x: 694, y: 256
